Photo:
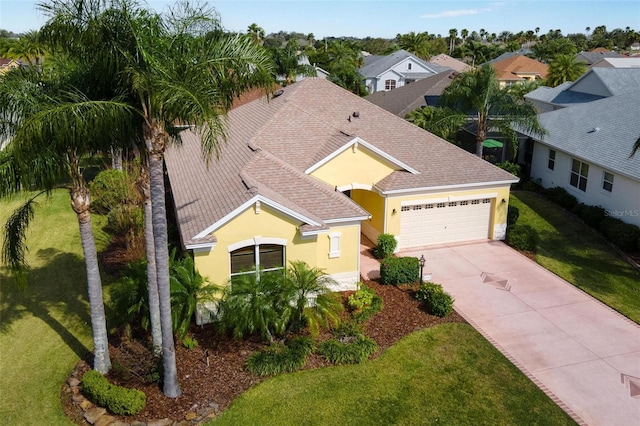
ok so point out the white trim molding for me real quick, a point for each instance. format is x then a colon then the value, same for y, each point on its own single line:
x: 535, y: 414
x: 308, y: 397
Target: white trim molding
x: 334, y: 244
x: 346, y: 281
x: 256, y: 241
x: 408, y: 191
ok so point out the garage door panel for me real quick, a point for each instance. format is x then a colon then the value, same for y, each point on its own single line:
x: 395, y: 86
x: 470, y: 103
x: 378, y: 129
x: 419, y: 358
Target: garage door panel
x: 444, y: 223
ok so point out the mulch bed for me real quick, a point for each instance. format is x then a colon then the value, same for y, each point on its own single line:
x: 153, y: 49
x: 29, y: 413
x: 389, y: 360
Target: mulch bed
x: 224, y: 377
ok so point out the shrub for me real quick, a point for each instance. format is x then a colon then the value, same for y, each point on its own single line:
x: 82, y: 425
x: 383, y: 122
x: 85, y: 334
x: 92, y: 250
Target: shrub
x: 522, y: 237
x: 280, y: 358
x: 189, y: 342
x: 512, y: 168
x: 350, y: 350
x: 386, y: 246
x: 112, y: 188
x: 364, y: 303
x: 561, y: 197
x: 399, y: 270
x: 513, y: 213
x: 591, y: 215
x: 622, y: 234
x: 127, y: 221
x: 437, y: 301
x: 116, y: 399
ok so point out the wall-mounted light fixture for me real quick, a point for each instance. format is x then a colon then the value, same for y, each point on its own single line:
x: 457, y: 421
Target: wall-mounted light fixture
x: 394, y: 211
x: 504, y: 201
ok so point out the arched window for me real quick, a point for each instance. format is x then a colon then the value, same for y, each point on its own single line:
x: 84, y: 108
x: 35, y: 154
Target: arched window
x: 389, y: 84
x: 257, y: 258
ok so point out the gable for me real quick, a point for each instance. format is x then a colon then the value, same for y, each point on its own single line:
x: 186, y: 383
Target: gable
x: 356, y: 162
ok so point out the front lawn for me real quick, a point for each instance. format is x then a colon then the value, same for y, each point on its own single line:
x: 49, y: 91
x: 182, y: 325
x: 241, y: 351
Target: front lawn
x: 45, y: 330
x: 447, y: 374
x: 573, y: 251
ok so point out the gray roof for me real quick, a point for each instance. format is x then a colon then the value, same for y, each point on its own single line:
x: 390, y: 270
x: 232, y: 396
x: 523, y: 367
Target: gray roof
x: 593, y: 57
x: 405, y: 99
x: 616, y: 119
x: 615, y: 81
x: 272, y: 143
x: 374, y: 66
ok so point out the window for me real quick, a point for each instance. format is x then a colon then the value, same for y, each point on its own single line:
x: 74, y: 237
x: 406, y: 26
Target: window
x: 417, y: 207
x: 579, y: 174
x: 607, y: 181
x: 441, y: 205
x: 552, y: 159
x: 486, y: 201
x: 250, y: 259
x: 453, y: 204
x: 428, y: 206
x: 475, y: 202
x: 405, y: 208
x: 464, y: 203
x: 389, y: 84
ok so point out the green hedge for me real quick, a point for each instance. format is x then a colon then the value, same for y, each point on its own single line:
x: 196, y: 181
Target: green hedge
x: 513, y: 213
x: 386, y: 246
x: 281, y: 358
x: 399, y: 270
x: 116, y: 399
x: 624, y: 235
x: 591, y: 215
x: 356, y: 351
x: 437, y: 301
x: 561, y: 197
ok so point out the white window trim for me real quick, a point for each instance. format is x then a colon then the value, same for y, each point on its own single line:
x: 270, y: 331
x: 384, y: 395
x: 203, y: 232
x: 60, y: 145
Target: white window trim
x: 334, y: 244
x: 256, y: 242
x: 611, y: 182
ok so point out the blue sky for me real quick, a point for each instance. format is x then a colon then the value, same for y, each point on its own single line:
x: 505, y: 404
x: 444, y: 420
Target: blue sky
x: 361, y: 18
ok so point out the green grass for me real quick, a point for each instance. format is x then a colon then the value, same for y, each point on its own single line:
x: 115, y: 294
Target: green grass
x: 447, y: 374
x: 45, y: 330
x: 573, y: 251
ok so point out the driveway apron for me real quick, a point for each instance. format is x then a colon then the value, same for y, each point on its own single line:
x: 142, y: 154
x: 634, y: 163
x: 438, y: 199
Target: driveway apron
x: 583, y: 354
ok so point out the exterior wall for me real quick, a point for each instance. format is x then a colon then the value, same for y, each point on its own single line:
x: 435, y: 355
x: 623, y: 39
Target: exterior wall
x: 389, y: 75
x: 374, y: 204
x: 623, y: 202
x: 498, y: 224
x: 354, y: 166
x: 269, y: 223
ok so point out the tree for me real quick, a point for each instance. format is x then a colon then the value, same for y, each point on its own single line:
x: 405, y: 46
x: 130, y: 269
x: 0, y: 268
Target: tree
x: 476, y: 94
x: 288, y: 63
x: 442, y: 122
x: 177, y: 67
x: 256, y: 33
x: 416, y: 43
x: 29, y: 47
x: 453, y: 34
x: 564, y: 68
x: 52, y: 124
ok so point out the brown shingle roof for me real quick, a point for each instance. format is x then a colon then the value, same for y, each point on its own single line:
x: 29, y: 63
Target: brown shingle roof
x: 271, y: 143
x: 513, y: 67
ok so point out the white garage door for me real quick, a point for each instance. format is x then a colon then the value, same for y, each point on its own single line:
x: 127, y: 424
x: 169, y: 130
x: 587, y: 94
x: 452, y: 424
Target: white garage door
x: 440, y: 223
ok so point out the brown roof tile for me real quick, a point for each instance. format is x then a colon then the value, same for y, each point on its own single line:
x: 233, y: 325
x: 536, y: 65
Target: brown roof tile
x: 511, y: 68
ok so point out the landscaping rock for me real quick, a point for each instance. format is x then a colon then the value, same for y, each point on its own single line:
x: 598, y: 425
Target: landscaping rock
x: 93, y: 414
x: 190, y: 415
x: 86, y: 405
x: 72, y: 381
x: 161, y: 422
x: 77, y: 398
x: 104, y: 420
x: 138, y: 423
x: 119, y: 423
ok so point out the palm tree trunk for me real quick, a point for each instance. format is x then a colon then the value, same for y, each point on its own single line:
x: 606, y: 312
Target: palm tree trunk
x: 156, y: 137
x: 152, y: 280
x: 80, y: 203
x: 481, y: 134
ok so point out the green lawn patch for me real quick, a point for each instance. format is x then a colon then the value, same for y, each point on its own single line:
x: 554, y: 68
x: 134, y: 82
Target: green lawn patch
x: 573, y: 251
x: 448, y: 374
x: 45, y: 330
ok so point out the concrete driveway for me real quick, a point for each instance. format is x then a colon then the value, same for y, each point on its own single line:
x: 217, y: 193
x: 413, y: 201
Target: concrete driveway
x: 583, y: 354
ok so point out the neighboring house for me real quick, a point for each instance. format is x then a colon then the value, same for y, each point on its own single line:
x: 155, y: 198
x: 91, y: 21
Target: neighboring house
x: 447, y: 61
x: 595, y: 55
x: 383, y: 73
x: 518, y: 68
x: 625, y: 62
x: 507, y: 55
x: 303, y: 174
x: 403, y: 100
x: 586, y: 151
x: 320, y: 73
x: 596, y: 83
x: 8, y: 64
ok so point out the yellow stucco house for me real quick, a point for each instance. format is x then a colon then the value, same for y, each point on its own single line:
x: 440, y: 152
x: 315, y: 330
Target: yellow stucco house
x: 304, y: 174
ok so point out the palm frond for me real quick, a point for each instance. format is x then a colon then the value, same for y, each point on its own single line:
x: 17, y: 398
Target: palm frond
x: 14, y: 248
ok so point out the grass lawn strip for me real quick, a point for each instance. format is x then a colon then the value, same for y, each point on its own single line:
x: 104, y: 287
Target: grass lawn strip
x: 448, y: 374
x: 574, y: 252
x: 44, y: 331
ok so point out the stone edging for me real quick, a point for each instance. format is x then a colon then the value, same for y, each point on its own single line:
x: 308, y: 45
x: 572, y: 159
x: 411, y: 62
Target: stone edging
x: 98, y: 416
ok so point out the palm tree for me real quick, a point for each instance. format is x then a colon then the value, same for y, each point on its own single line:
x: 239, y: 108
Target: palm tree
x: 51, y: 125
x: 29, y: 47
x: 287, y: 63
x: 453, y: 34
x: 175, y: 68
x: 416, y: 43
x: 256, y: 33
x: 564, y: 68
x: 476, y: 94
x: 443, y: 122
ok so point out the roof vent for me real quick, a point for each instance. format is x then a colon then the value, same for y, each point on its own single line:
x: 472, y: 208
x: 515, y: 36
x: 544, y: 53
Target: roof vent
x: 277, y: 93
x: 356, y: 114
x: 595, y: 129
